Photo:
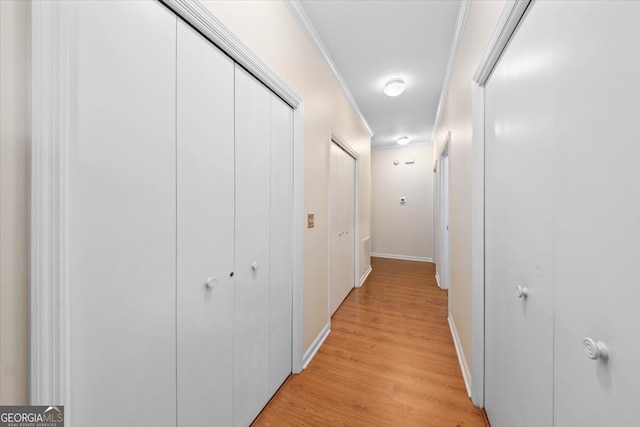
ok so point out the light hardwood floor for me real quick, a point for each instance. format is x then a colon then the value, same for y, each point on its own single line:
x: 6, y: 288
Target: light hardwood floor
x: 389, y: 360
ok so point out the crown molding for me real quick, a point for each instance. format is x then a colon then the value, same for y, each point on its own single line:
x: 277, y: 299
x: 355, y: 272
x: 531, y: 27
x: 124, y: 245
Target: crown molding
x: 511, y: 15
x: 200, y: 18
x: 461, y: 23
x: 305, y: 24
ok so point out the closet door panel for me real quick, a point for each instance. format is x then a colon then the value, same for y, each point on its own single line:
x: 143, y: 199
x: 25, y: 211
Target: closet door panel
x: 342, y: 226
x: 281, y: 281
x: 597, y: 242
x: 519, y: 230
x: 122, y: 220
x: 253, y: 211
x: 205, y: 210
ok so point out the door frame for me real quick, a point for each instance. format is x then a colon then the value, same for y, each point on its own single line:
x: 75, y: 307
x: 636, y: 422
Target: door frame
x: 512, y: 15
x: 341, y: 143
x: 444, y: 260
x: 51, y: 116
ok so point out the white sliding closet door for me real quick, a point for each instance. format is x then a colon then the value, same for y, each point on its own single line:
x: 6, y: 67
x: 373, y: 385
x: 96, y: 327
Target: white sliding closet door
x: 253, y: 214
x: 205, y: 183
x: 122, y: 215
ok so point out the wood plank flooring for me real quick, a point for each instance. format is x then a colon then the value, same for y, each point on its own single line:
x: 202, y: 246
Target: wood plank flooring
x: 389, y: 360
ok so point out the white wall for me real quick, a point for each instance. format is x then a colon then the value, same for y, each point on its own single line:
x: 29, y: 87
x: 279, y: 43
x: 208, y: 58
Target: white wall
x: 14, y: 193
x: 402, y: 230
x: 456, y: 117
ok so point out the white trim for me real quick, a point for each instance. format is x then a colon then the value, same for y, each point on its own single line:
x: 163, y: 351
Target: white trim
x: 466, y: 374
x: 210, y: 27
x: 511, y: 15
x: 50, y: 106
x: 444, y: 175
x: 307, y: 28
x: 463, y: 13
x: 335, y: 137
x: 402, y: 257
x: 438, y: 280
x: 299, y: 222
x: 315, y: 345
x: 364, y: 276
x: 477, y: 246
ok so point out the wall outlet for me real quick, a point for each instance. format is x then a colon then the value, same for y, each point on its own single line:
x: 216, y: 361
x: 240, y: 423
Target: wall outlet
x: 311, y: 220
x: 403, y: 200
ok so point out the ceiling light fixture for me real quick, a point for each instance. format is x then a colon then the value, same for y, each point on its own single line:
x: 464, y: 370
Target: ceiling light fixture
x: 403, y: 141
x: 394, y: 87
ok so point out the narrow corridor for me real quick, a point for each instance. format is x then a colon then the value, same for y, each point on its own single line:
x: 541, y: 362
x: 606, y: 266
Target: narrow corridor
x: 389, y: 360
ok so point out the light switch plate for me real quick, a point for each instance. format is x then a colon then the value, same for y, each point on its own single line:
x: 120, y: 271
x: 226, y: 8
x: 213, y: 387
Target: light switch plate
x: 310, y: 220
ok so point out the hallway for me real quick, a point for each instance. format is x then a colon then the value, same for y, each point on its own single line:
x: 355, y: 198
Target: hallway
x: 389, y: 360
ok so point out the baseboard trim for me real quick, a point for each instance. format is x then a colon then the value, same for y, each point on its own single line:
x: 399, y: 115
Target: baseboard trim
x: 466, y: 373
x: 364, y: 276
x: 315, y: 345
x: 403, y: 257
x: 438, y: 280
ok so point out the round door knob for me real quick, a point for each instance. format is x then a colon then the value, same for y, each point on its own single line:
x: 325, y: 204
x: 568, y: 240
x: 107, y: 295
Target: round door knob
x: 211, y: 282
x: 522, y: 291
x: 254, y: 266
x: 595, y: 349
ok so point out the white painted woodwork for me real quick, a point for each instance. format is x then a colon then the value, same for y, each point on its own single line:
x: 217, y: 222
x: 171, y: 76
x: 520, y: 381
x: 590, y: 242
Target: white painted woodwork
x: 281, y: 238
x: 205, y: 232
x: 342, y: 274
x: 253, y: 213
x: 444, y: 272
x: 562, y: 208
x: 597, y: 210
x: 122, y: 214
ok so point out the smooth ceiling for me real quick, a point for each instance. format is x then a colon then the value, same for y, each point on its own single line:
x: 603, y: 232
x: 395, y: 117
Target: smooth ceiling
x: 371, y: 42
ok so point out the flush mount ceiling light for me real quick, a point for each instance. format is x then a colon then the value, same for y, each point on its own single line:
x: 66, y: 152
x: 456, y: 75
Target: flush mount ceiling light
x: 394, y: 87
x: 403, y: 141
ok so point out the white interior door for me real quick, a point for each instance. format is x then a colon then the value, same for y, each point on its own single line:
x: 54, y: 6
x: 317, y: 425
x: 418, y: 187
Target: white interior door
x: 343, y: 170
x: 122, y: 215
x: 597, y: 198
x: 519, y: 203
x: 205, y: 214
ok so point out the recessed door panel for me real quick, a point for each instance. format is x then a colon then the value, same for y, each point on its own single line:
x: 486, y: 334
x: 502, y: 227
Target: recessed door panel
x: 252, y: 272
x: 205, y: 210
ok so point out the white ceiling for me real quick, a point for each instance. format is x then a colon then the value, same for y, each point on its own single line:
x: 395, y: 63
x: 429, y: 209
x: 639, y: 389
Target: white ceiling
x: 371, y: 42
